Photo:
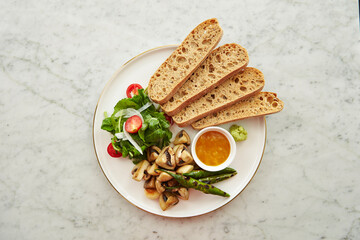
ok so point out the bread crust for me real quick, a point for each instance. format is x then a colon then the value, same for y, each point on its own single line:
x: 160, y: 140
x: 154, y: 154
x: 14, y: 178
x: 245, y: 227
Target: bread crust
x: 161, y: 89
x: 242, y: 110
x: 230, y: 54
x: 247, y: 83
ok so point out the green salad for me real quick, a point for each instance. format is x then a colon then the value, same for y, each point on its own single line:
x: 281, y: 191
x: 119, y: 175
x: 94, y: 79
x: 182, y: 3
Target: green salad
x: 153, y: 129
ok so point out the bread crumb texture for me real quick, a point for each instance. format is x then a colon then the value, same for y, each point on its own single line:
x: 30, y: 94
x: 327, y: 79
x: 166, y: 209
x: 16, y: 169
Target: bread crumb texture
x: 177, y: 68
x: 241, y: 85
x: 222, y: 62
x: 263, y: 103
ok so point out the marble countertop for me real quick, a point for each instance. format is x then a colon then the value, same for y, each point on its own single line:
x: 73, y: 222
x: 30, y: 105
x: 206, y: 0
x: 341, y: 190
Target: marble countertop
x: 56, y: 57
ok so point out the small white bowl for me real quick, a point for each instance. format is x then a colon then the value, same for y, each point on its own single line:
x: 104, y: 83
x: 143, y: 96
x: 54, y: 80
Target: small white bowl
x: 227, y: 162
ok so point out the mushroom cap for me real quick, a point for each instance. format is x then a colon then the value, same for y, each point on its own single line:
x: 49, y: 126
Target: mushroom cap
x: 166, y: 158
x: 153, y: 153
x: 167, y: 199
x: 151, y: 193
x: 150, y: 183
x: 164, y: 177
x: 182, y: 138
x: 183, y: 193
x: 139, y: 170
x: 183, y: 156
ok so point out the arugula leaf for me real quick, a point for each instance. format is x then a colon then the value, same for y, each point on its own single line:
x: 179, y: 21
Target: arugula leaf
x: 107, y: 125
x: 123, y: 104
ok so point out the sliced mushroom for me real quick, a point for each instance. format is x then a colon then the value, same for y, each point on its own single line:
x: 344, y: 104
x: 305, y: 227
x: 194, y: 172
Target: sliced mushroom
x: 183, y: 156
x: 159, y: 187
x: 150, y: 183
x: 185, y: 169
x: 167, y: 199
x: 182, y: 138
x: 176, y: 147
x: 152, y: 169
x: 172, y: 185
x: 164, y: 177
x: 135, y: 168
x: 183, y: 193
x: 151, y: 193
x: 139, y: 170
x: 153, y: 153
x: 166, y: 158
x: 146, y: 176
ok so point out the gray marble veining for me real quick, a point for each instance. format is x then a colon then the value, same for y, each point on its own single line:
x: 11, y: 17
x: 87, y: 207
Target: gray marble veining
x: 56, y: 56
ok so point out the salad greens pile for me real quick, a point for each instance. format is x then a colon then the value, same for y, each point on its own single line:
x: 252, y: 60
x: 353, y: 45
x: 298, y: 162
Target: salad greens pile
x: 154, y: 130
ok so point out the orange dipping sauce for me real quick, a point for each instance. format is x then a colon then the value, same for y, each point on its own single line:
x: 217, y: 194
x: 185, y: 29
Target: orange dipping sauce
x: 212, y: 148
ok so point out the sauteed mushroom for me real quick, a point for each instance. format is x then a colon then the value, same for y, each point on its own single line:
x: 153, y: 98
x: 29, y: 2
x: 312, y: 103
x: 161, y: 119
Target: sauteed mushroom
x: 182, y: 138
x: 176, y: 147
x: 164, y: 177
x: 173, y: 185
x: 166, y: 159
x: 150, y: 183
x: 151, y: 193
x: 139, y: 169
x: 146, y: 176
x: 183, y: 193
x: 153, y: 153
x: 167, y: 199
x: 185, y: 169
x: 159, y: 187
x: 152, y: 169
x: 183, y: 156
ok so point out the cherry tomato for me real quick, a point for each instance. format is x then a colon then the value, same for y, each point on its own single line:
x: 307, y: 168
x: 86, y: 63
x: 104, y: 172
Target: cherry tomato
x: 133, y: 124
x: 170, y: 120
x: 112, y: 152
x: 132, y: 90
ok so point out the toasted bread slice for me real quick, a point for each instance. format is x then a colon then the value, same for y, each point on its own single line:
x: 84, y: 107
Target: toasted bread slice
x: 222, y: 63
x: 263, y: 103
x: 241, y: 85
x: 177, y: 68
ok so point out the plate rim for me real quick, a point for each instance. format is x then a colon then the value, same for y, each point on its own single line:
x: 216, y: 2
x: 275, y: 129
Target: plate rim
x: 97, y: 157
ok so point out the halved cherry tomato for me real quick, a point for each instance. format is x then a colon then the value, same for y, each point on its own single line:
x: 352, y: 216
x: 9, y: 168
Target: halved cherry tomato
x: 170, y: 120
x: 133, y: 124
x: 112, y: 152
x: 132, y: 90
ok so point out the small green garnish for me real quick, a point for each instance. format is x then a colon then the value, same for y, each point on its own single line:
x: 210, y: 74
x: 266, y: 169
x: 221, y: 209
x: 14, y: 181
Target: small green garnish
x: 238, y: 132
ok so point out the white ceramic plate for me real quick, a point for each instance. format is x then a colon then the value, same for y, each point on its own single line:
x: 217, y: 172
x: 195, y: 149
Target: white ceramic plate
x: 118, y: 170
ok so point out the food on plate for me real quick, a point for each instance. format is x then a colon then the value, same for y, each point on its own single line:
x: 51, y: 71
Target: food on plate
x: 189, y: 182
x: 263, y: 103
x: 166, y: 158
x: 240, y: 86
x: 133, y: 124
x: 136, y: 125
x: 183, y: 155
x: 112, y: 152
x: 212, y: 148
x: 187, y: 57
x: 238, y: 132
x: 168, y: 173
x: 167, y: 199
x: 217, y: 178
x: 182, y: 138
x: 133, y: 90
x: 197, y: 174
x: 222, y: 63
x: 138, y: 172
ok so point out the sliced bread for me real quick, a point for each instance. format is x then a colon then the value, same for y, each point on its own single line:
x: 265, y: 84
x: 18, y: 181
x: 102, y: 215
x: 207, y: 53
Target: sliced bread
x: 177, y: 68
x: 222, y: 63
x: 241, y: 85
x: 263, y: 103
